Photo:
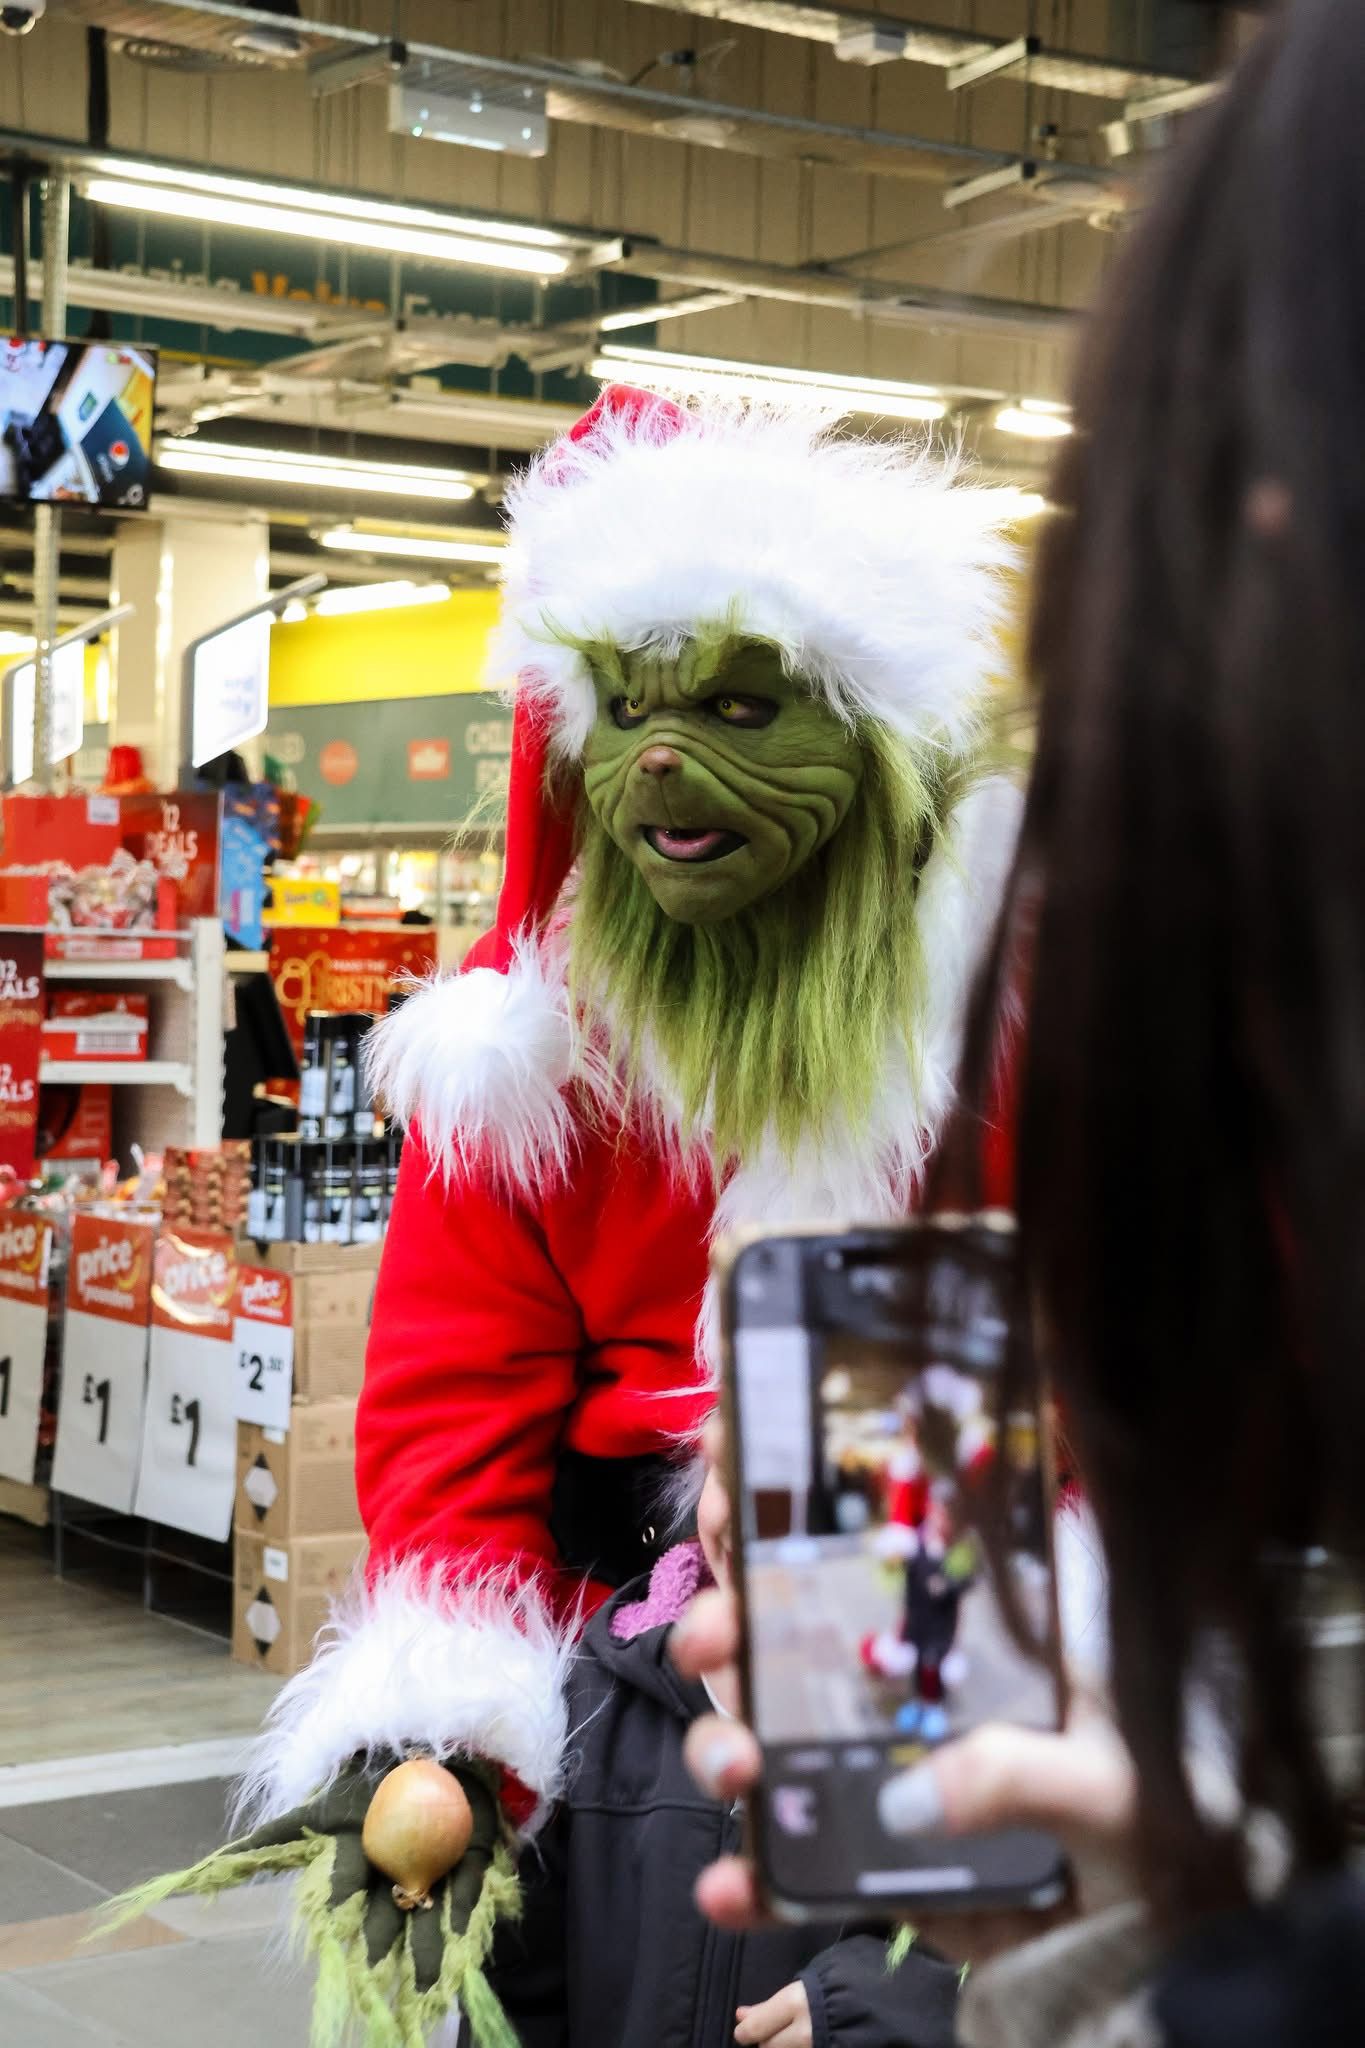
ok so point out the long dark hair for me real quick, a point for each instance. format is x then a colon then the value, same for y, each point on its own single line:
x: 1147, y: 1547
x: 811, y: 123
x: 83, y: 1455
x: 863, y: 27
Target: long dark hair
x: 1191, y: 1134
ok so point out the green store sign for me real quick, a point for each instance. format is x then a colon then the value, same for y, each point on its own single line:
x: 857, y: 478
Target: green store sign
x: 402, y: 761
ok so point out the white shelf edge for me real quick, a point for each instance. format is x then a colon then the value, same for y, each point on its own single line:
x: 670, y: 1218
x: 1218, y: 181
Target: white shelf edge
x: 131, y: 1073
x: 178, y: 971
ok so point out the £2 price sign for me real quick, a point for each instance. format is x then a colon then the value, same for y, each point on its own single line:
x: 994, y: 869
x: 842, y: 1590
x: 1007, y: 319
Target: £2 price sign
x: 263, y: 1345
x: 104, y: 1361
x: 189, y: 1436
x: 25, y: 1250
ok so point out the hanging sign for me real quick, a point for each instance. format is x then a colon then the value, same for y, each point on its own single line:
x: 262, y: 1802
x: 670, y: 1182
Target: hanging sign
x: 263, y: 1346
x: 104, y: 1361
x: 25, y: 1252
x: 21, y: 1047
x: 230, y: 688
x: 343, y: 970
x: 189, y: 1434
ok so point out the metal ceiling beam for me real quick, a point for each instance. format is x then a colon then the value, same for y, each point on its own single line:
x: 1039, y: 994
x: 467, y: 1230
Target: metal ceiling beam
x: 871, y: 298
x: 944, y: 49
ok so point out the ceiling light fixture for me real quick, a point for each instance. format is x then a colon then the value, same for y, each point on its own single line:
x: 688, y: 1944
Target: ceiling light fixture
x: 1035, y: 419
x: 667, y: 370
x: 312, y: 472
x: 354, y: 541
x: 378, y: 597
x: 351, y: 220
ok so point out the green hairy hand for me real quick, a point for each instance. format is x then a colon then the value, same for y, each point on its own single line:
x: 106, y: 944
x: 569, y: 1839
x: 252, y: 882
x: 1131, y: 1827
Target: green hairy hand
x: 397, y: 1972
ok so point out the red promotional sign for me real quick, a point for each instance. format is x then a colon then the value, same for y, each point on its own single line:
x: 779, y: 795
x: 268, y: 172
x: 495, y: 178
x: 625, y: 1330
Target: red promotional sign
x: 337, y: 969
x: 178, y: 834
x: 25, y: 1248
x: 111, y: 1269
x: 21, y: 1047
x: 194, y: 1282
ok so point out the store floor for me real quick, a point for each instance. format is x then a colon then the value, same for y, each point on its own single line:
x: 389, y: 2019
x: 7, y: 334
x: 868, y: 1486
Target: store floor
x: 85, y: 1672
x: 119, y: 1731
x: 217, y: 1974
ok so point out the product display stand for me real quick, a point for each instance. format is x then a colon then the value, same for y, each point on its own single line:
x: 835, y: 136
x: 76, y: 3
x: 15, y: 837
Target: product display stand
x: 175, y: 1096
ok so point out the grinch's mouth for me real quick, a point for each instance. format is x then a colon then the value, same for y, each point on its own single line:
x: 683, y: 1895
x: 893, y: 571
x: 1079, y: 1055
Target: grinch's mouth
x: 671, y: 842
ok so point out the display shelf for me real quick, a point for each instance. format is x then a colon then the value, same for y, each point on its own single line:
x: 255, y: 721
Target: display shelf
x: 177, y: 1074
x: 178, y: 971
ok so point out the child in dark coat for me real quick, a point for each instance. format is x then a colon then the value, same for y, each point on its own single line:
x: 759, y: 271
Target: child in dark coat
x: 611, y: 1951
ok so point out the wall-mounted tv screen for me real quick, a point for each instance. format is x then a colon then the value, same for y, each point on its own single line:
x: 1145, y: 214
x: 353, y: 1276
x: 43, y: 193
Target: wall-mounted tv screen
x: 76, y: 423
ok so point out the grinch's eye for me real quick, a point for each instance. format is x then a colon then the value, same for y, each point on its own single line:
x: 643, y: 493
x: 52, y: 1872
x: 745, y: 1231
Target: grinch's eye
x: 628, y: 711
x: 747, y: 711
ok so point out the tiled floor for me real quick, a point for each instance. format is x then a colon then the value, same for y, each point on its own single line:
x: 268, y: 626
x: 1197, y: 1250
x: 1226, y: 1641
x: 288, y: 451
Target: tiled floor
x: 97, y: 1697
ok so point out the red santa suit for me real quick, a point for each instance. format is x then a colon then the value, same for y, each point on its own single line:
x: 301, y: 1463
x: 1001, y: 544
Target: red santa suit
x: 543, y: 1289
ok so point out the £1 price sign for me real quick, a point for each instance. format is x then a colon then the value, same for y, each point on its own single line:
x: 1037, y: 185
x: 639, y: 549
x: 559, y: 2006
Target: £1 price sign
x: 25, y: 1250
x: 189, y: 1435
x: 263, y: 1346
x: 104, y: 1361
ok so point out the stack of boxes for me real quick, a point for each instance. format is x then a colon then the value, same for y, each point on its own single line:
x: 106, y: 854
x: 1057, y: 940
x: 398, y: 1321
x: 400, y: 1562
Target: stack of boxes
x: 297, y: 1537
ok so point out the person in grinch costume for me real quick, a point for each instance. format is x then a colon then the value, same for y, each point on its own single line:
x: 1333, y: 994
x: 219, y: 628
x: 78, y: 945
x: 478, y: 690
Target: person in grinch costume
x: 754, y: 851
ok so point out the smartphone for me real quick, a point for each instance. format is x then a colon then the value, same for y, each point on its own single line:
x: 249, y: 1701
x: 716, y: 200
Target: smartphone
x: 871, y: 1462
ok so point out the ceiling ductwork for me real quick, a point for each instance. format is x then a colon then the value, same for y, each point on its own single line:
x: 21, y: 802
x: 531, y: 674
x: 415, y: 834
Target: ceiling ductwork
x: 339, y: 58
x: 862, y: 38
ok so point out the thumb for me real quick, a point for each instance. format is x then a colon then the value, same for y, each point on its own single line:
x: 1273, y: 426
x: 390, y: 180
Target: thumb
x: 1079, y: 1785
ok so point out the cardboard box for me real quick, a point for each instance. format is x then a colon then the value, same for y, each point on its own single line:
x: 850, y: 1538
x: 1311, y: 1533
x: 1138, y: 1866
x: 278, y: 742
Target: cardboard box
x: 81, y: 1025
x: 302, y: 1483
x: 282, y: 1594
x: 333, y: 1292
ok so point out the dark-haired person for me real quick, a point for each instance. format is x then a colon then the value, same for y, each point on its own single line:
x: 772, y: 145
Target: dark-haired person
x: 1191, y: 1143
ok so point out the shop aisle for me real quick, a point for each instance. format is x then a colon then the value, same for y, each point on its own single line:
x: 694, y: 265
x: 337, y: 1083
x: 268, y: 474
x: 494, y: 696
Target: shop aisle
x: 86, y: 1673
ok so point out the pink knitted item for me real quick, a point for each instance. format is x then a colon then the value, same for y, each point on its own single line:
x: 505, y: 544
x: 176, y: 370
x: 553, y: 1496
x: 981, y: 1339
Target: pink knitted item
x: 680, y: 1573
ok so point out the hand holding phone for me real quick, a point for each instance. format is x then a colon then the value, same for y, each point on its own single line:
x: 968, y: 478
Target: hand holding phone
x: 866, y: 1442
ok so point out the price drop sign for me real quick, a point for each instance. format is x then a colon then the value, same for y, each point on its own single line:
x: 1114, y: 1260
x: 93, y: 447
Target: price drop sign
x: 189, y: 1435
x: 104, y: 1361
x: 25, y: 1251
x: 263, y: 1346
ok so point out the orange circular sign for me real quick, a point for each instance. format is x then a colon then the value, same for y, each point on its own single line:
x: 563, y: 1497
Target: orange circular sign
x: 338, y: 761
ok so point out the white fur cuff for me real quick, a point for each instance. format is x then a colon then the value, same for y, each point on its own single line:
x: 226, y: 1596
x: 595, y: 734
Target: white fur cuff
x: 414, y: 1661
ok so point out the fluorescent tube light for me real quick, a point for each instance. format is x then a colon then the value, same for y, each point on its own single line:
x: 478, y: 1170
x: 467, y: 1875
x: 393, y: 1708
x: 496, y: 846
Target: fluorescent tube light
x: 415, y: 547
x: 1035, y: 419
x: 378, y: 597
x: 312, y: 472
x: 359, y: 223
x: 667, y: 370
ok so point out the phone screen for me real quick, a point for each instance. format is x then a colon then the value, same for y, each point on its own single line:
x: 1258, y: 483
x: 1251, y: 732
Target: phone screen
x: 867, y: 1430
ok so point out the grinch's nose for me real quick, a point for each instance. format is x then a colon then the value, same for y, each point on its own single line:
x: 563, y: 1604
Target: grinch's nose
x: 659, y: 761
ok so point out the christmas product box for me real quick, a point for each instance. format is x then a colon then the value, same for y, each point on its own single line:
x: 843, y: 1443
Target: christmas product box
x: 333, y: 1289
x: 299, y: 1482
x: 282, y: 1594
x: 85, y: 1026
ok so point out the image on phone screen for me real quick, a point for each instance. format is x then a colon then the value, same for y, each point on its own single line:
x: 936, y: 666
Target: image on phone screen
x: 866, y: 1374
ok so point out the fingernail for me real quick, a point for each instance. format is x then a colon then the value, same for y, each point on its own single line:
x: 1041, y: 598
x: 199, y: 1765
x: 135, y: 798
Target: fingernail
x: 717, y: 1757
x: 912, y: 1803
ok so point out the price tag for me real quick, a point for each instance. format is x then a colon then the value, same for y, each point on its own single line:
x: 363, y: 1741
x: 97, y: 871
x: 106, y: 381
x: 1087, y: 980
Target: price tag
x: 263, y: 1346
x: 189, y: 1432
x: 104, y: 1362
x: 25, y: 1249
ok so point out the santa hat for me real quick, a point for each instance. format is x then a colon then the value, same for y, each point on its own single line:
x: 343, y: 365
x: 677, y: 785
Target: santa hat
x: 874, y: 573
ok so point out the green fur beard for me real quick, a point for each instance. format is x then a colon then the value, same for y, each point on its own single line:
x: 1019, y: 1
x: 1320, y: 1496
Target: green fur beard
x: 778, y: 1020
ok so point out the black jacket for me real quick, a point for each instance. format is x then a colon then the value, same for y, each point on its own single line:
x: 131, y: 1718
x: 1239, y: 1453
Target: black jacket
x: 611, y: 1951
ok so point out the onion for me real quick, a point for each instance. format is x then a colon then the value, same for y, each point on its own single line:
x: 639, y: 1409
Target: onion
x: 417, y: 1828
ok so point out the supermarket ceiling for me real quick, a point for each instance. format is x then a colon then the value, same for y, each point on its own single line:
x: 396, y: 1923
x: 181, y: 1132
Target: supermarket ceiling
x: 368, y: 226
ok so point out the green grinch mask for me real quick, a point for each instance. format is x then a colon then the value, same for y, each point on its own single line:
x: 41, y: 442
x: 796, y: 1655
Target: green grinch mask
x: 717, y: 774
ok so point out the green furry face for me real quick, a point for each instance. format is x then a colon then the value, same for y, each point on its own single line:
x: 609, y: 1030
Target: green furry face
x: 715, y: 773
